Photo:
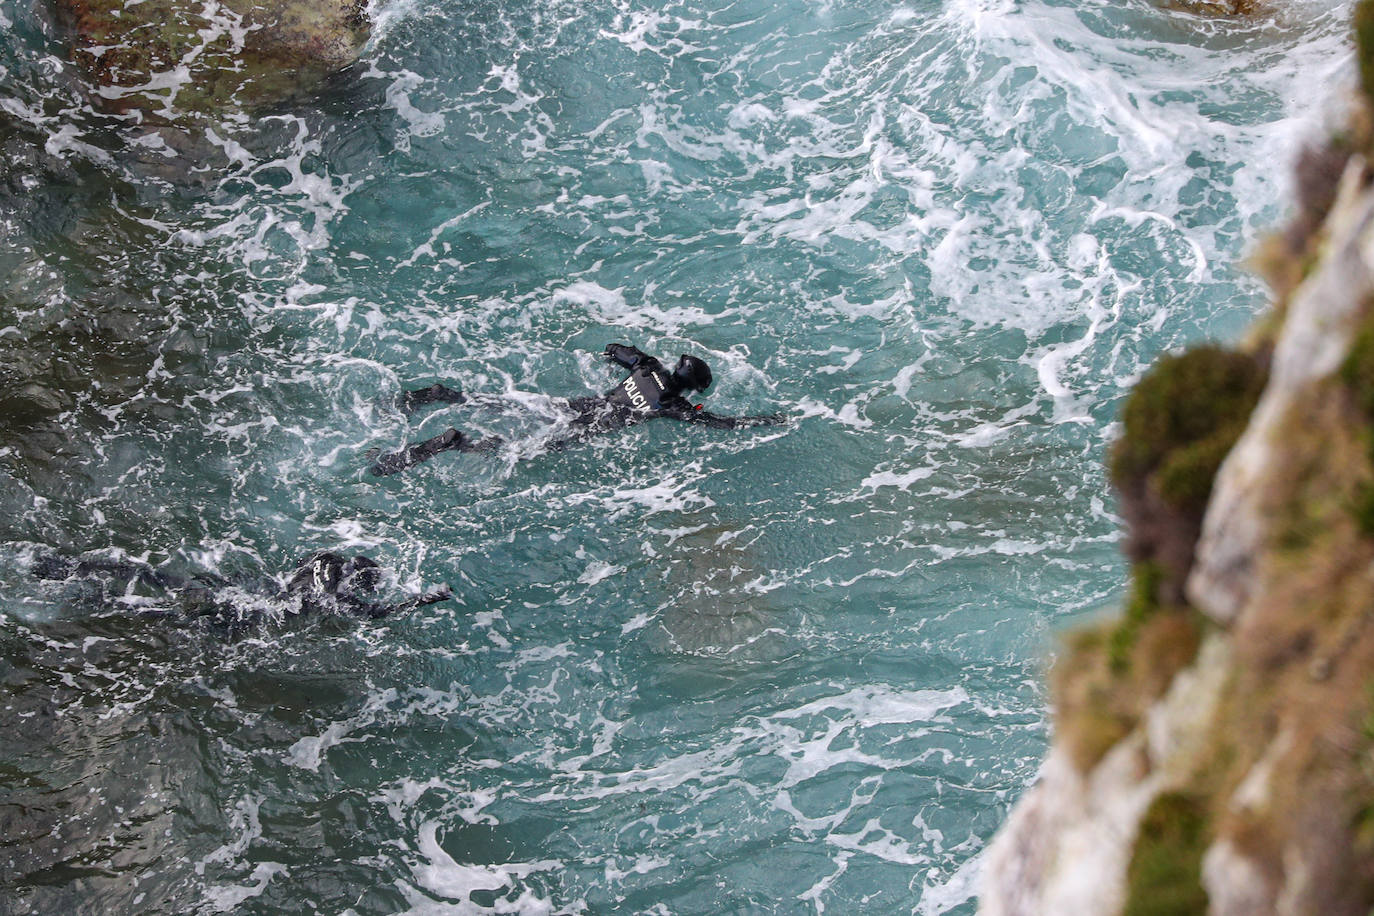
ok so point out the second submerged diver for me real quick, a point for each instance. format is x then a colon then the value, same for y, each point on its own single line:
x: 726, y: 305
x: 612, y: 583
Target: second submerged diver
x: 648, y: 392
x: 324, y: 582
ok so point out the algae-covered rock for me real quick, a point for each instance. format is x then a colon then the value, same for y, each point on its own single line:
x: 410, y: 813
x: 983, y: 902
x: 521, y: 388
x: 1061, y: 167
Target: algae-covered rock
x: 1069, y: 845
x: 170, y: 60
x: 1165, y: 874
x: 1216, y: 7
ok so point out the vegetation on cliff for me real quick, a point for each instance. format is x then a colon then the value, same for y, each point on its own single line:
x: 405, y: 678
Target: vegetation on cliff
x: 1177, y: 426
x: 1276, y: 811
x: 1165, y: 875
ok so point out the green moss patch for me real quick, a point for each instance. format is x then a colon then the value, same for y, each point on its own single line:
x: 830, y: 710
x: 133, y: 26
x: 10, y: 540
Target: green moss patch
x: 1182, y: 419
x: 1178, y: 425
x: 1358, y: 369
x: 1165, y: 874
x: 1357, y: 373
x: 1141, y: 604
x: 1364, y: 44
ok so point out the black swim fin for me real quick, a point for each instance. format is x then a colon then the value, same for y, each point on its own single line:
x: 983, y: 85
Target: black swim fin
x: 448, y: 440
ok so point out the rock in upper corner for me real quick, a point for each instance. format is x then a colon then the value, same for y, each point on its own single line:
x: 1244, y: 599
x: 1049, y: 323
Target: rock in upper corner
x: 167, y: 61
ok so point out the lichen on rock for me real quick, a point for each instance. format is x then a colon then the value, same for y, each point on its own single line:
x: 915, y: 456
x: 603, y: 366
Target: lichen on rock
x: 172, y: 60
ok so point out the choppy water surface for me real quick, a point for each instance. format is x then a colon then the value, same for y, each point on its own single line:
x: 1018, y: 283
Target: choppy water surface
x: 685, y: 671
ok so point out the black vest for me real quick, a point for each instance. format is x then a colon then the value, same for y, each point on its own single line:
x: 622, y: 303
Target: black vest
x: 642, y: 391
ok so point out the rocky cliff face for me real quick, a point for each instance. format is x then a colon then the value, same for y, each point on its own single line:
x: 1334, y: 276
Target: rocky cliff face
x: 1214, y: 748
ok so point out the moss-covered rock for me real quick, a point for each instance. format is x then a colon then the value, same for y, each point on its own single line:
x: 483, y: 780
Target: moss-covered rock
x: 1357, y: 372
x: 1165, y: 874
x: 1110, y: 674
x: 1182, y: 418
x: 173, y: 60
x: 1364, y: 44
x: 1177, y: 427
x: 1271, y: 808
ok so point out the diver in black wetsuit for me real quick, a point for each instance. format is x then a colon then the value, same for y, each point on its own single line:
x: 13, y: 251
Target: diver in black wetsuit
x: 649, y: 391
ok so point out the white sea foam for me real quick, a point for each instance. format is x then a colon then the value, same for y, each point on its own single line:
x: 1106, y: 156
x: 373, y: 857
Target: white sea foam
x: 598, y: 571
x: 386, y: 15
x: 226, y: 898
x: 816, y: 892
x: 308, y: 752
x: 419, y: 123
x: 669, y: 495
x: 941, y: 896
x: 902, y: 481
x: 441, y: 875
x: 245, y: 821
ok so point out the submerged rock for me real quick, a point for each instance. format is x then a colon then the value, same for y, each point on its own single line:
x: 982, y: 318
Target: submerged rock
x: 170, y: 60
x: 1216, y: 7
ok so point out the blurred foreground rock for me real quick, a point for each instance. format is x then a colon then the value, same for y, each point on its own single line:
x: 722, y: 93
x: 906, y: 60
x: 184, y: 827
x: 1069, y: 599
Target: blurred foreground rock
x: 1214, y: 745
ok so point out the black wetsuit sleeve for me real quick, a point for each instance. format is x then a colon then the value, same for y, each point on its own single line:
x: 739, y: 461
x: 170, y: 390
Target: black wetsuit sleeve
x: 689, y: 414
x: 629, y: 357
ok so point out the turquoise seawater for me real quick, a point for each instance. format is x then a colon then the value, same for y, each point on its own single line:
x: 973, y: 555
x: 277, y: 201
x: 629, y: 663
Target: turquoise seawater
x: 781, y: 670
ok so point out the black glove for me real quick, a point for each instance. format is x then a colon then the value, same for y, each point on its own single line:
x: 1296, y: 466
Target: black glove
x: 621, y: 354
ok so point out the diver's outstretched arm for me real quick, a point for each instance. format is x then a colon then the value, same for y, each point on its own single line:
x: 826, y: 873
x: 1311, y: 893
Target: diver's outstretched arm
x: 448, y: 440
x: 629, y: 357
x: 716, y: 421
